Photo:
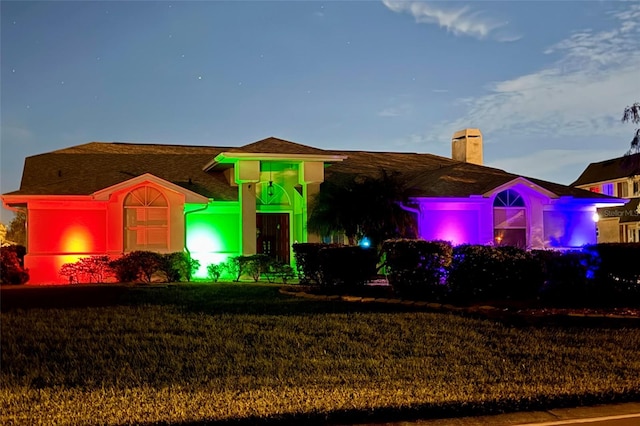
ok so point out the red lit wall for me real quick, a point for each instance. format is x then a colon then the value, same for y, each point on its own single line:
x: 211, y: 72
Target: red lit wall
x: 62, y: 232
x: 77, y: 231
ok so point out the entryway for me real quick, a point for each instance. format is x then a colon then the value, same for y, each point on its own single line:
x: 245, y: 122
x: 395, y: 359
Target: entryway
x: 273, y: 235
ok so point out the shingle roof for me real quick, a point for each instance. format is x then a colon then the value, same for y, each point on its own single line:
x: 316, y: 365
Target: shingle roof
x: 615, y: 168
x: 87, y: 168
x: 63, y: 173
x: 273, y: 145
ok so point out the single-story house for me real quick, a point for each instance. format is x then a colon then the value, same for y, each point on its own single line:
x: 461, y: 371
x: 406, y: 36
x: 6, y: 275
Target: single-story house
x: 618, y: 177
x: 215, y: 202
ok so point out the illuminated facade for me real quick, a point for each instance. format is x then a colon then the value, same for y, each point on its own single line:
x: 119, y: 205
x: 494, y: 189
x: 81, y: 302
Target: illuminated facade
x: 619, y: 177
x: 216, y: 202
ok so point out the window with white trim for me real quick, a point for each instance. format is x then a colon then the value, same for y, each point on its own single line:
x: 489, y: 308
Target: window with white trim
x: 509, y: 220
x: 146, y: 220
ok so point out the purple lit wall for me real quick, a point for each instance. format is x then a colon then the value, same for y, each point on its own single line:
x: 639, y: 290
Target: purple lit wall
x: 458, y: 226
x: 569, y: 228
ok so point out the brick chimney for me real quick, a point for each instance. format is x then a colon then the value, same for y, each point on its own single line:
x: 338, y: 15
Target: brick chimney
x: 466, y: 145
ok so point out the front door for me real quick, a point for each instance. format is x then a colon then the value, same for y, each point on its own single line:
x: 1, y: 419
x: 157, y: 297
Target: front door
x: 273, y: 235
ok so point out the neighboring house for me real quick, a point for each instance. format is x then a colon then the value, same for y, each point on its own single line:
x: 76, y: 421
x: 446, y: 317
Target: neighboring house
x: 216, y: 202
x: 619, y: 177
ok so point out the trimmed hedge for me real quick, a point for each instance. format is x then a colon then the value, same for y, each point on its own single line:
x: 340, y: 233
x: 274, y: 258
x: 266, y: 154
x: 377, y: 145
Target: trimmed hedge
x: 601, y: 274
x: 481, y: 273
x: 308, y: 261
x: 616, y: 271
x: 418, y: 268
x: 346, y: 267
x: 565, y: 281
x: 334, y: 265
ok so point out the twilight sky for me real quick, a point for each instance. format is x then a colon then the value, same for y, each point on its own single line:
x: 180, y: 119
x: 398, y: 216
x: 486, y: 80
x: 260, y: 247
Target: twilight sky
x: 545, y: 81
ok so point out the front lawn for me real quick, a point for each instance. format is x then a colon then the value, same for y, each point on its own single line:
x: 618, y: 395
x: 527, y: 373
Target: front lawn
x: 198, y: 353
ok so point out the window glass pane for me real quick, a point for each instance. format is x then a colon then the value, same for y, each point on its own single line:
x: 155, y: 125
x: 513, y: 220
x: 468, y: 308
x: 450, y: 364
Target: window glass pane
x: 511, y: 237
x: 507, y: 217
x: 508, y: 198
x: 156, y: 217
x: 157, y: 237
x: 607, y: 189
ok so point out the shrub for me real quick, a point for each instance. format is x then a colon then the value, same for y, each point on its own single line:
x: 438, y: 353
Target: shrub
x: 275, y: 270
x: 285, y: 272
x: 493, y: 273
x: 93, y: 269
x: 565, y: 279
x: 616, y: 272
x: 178, y: 266
x: 188, y: 267
x: 347, y: 267
x: 234, y: 267
x: 137, y: 265
x: 12, y: 269
x: 214, y: 271
x: 170, y: 265
x: 308, y: 262
x: 417, y: 268
x: 256, y: 264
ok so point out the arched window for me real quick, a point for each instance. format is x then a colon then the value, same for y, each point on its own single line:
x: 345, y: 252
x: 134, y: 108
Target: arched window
x: 509, y: 219
x: 146, y: 218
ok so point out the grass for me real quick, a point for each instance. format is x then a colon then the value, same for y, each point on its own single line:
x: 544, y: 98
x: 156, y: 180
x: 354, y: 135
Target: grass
x: 238, y: 353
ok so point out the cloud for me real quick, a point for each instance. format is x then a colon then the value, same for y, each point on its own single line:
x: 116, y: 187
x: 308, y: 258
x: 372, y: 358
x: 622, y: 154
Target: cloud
x: 459, y: 21
x: 582, y: 93
x: 397, y: 111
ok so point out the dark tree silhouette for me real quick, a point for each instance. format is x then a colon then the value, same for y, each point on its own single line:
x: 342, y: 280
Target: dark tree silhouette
x: 17, y: 229
x: 632, y: 114
x: 362, y: 206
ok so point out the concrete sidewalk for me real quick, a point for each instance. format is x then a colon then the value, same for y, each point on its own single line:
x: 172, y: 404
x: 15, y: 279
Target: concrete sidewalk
x: 562, y: 416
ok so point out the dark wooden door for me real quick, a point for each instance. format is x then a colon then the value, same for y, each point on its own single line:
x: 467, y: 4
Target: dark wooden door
x: 273, y: 235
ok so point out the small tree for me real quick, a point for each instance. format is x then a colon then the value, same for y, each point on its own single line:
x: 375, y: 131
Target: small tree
x: 17, y: 230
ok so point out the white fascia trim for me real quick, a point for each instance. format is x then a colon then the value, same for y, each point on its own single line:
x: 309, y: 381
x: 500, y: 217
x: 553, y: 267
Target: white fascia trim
x: 232, y: 157
x: 523, y: 181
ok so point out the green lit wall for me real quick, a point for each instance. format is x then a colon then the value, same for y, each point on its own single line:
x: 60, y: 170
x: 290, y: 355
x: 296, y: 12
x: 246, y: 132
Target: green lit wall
x: 213, y: 234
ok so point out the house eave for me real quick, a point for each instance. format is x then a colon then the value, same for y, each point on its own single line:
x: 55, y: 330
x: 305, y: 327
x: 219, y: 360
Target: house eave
x: 225, y: 158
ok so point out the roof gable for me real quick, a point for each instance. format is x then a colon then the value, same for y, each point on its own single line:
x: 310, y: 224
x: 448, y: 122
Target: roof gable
x: 190, y: 196
x: 273, y: 145
x: 615, y: 168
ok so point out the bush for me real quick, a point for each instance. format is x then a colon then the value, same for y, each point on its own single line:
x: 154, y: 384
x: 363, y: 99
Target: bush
x: 255, y: 265
x: 565, y: 279
x: 615, y: 271
x: 308, y: 262
x: 93, y: 269
x: 178, y: 266
x: 280, y: 270
x: 137, y: 265
x: 215, y: 270
x: 481, y: 273
x: 346, y: 267
x: 417, y: 269
x: 12, y: 269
